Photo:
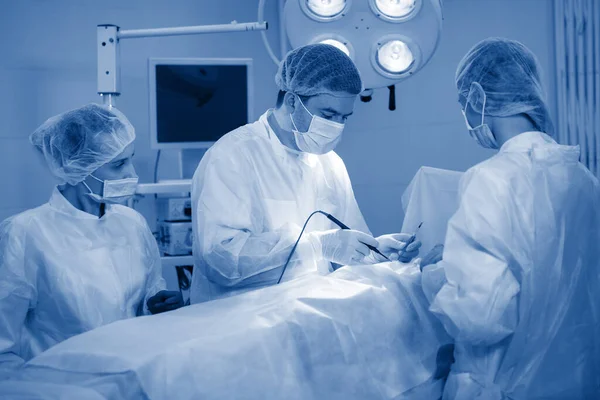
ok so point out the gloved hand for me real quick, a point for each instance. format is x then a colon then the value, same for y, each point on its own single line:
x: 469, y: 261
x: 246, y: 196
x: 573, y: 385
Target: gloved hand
x: 433, y: 257
x: 165, y: 300
x: 396, y: 246
x: 344, y: 246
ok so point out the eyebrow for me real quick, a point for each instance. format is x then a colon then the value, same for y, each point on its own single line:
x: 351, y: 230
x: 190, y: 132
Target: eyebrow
x: 123, y: 158
x: 331, y: 110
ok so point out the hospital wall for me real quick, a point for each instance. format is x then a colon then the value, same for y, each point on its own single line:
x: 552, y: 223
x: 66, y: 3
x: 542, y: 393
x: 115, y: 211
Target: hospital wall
x: 384, y: 149
x: 48, y: 65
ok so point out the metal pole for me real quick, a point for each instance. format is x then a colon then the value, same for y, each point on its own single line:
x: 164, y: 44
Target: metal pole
x: 109, y: 74
x: 283, y: 47
x: 108, y: 99
x: 192, y: 30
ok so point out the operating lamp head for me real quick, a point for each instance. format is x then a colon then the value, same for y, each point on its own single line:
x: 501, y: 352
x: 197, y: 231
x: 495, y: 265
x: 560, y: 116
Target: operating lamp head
x: 388, y: 40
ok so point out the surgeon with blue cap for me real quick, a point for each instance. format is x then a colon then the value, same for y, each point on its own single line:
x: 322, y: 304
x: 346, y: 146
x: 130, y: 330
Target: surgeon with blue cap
x: 83, y: 259
x: 255, y: 188
x: 516, y: 284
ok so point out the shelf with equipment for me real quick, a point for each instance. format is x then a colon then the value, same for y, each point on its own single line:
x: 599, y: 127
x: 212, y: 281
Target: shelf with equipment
x: 181, y: 187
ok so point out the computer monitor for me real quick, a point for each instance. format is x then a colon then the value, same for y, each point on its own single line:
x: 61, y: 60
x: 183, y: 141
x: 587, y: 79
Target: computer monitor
x: 195, y: 101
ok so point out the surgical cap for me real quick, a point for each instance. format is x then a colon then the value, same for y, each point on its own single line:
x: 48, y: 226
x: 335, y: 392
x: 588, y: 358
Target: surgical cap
x: 507, y: 75
x: 318, y: 69
x: 78, y: 142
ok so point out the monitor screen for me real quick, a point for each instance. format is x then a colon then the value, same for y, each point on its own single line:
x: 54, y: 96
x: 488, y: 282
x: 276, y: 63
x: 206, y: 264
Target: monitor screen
x: 198, y: 103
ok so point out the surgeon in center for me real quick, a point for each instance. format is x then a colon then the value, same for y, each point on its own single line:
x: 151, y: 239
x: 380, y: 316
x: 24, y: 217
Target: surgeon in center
x: 256, y: 187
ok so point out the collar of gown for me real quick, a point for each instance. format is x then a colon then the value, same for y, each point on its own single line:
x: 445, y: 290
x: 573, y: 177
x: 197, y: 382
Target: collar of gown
x: 282, y: 150
x: 60, y: 203
x: 526, y: 141
x: 541, y: 146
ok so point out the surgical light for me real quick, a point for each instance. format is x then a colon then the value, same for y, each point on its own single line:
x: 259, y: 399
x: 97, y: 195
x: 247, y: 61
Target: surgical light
x: 395, y: 57
x: 395, y: 9
x: 388, y: 40
x: 337, y: 44
x: 326, y: 8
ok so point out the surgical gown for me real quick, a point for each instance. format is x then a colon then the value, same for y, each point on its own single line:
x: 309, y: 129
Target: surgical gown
x: 64, y: 272
x: 251, y: 196
x: 518, y: 288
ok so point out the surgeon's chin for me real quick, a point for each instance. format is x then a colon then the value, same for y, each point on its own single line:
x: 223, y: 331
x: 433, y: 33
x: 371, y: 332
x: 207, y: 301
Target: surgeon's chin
x: 112, y: 200
x: 122, y: 201
x: 333, y: 145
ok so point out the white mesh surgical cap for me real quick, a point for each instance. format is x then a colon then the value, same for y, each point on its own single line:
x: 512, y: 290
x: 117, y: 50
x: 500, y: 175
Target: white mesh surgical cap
x: 507, y: 75
x: 78, y: 142
x: 318, y: 69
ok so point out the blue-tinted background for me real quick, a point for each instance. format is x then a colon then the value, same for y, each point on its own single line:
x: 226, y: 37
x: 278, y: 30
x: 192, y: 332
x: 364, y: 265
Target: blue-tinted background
x: 48, y: 65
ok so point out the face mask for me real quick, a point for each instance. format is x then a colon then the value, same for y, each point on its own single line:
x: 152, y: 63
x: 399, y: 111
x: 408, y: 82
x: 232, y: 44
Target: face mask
x: 482, y: 133
x: 322, y: 135
x: 114, y: 191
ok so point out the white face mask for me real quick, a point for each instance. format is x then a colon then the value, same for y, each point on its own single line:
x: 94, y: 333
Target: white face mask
x: 322, y: 135
x: 481, y: 133
x: 115, y: 191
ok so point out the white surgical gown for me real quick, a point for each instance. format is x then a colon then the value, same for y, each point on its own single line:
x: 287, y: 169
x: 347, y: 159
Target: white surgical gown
x: 521, y: 265
x: 64, y: 272
x: 251, y: 196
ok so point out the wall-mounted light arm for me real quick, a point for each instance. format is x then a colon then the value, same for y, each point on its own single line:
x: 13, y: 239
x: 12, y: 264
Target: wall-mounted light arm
x: 109, y: 36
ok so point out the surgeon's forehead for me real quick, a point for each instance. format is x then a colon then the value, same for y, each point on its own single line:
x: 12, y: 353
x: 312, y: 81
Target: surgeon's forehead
x: 333, y: 104
x: 126, y: 153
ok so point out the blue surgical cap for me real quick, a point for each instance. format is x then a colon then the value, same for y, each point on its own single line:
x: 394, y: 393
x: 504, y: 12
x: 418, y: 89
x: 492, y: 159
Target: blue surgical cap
x: 318, y: 69
x: 78, y: 142
x: 507, y: 75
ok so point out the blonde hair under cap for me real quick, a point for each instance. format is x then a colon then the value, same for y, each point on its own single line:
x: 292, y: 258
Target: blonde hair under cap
x: 78, y: 142
x: 507, y: 75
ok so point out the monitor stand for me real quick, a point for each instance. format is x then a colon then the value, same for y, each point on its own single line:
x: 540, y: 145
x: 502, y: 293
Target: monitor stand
x: 188, y: 162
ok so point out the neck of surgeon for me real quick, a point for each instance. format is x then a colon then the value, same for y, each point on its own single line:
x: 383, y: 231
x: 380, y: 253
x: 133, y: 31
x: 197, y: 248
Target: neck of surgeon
x: 77, y: 196
x: 506, y: 128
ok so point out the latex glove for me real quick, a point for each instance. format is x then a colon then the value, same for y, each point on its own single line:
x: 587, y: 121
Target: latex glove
x: 344, y: 246
x: 165, y: 300
x: 395, y: 247
x: 433, y: 257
